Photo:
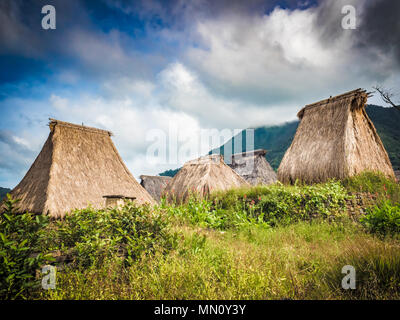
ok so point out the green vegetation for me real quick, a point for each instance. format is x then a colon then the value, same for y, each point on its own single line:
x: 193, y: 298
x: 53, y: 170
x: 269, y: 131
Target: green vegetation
x: 265, y: 242
x: 386, y: 122
x: 19, y: 235
x: 170, y: 173
x: 3, y: 192
x: 383, y: 219
x: 93, y: 237
x: 265, y: 205
x: 376, y: 184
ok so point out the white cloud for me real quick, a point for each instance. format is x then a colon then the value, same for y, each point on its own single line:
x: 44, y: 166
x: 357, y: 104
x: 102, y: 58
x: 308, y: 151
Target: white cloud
x: 220, y: 71
x: 282, y: 58
x: 183, y: 90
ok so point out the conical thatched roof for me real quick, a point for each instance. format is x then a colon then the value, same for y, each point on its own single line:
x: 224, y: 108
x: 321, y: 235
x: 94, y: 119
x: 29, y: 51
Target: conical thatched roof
x: 335, y: 139
x: 76, y: 167
x: 253, y: 167
x: 203, y: 176
x: 155, y: 185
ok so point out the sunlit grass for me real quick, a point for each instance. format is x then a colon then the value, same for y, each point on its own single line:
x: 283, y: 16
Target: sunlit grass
x: 301, y: 261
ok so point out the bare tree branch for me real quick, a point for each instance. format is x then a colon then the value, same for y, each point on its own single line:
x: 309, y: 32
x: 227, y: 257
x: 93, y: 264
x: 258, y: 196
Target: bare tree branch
x: 386, y: 96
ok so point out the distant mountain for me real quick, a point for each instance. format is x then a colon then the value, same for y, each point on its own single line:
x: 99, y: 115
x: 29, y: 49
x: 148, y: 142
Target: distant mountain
x: 277, y: 139
x: 170, y: 173
x: 3, y: 192
x: 387, y: 123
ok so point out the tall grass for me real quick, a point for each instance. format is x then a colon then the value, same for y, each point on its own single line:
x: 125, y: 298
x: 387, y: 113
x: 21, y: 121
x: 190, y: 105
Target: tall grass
x: 301, y: 261
x: 265, y: 242
x: 374, y: 183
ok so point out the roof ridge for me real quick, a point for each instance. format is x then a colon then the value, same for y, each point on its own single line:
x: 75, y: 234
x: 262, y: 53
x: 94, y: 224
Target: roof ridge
x: 348, y: 94
x: 55, y: 122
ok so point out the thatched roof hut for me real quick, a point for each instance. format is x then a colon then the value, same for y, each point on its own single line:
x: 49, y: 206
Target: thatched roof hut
x: 203, y: 176
x: 77, y: 166
x: 335, y: 139
x: 253, y: 167
x: 155, y: 185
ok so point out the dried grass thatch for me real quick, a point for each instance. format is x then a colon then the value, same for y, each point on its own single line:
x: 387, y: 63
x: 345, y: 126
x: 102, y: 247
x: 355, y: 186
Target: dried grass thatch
x: 155, y: 185
x: 335, y: 139
x: 76, y: 167
x: 253, y: 167
x: 202, y: 176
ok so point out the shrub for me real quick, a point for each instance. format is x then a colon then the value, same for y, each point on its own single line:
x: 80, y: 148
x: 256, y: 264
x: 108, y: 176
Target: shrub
x: 262, y: 205
x: 383, y: 218
x: 91, y: 237
x: 280, y: 204
x: 19, y: 238
x: 374, y: 183
x: 203, y: 213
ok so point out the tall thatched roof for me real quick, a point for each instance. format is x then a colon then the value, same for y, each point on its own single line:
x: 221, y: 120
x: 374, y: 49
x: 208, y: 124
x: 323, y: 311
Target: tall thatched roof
x: 203, y: 176
x: 155, y: 185
x: 253, y: 167
x: 77, y: 166
x: 335, y: 139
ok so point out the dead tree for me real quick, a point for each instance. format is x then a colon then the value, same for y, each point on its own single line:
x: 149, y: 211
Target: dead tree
x: 387, y: 96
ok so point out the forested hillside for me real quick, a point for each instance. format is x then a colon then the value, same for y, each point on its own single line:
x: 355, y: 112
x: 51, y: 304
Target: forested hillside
x: 3, y: 192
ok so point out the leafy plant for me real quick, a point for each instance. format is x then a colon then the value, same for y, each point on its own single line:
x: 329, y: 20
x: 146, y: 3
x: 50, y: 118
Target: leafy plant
x: 383, y: 219
x: 91, y: 237
x: 19, y: 237
x: 375, y: 183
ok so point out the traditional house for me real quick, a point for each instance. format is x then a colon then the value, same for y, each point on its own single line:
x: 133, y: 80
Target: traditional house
x: 155, y: 185
x: 201, y: 177
x: 335, y: 139
x: 253, y: 167
x: 77, y: 166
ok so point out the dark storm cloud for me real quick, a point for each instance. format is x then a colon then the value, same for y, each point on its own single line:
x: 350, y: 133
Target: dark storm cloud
x: 89, y: 41
x: 381, y: 27
x: 378, y: 25
x: 21, y: 31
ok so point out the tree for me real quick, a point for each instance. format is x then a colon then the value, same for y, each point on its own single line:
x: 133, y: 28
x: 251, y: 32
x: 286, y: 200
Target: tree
x: 387, y: 96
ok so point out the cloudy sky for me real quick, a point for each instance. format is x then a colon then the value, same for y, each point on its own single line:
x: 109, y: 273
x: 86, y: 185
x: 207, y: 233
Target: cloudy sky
x: 138, y: 68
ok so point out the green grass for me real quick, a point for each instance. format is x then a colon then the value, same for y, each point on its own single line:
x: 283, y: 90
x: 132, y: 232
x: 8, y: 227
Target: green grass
x: 375, y: 184
x: 301, y: 261
x: 275, y: 242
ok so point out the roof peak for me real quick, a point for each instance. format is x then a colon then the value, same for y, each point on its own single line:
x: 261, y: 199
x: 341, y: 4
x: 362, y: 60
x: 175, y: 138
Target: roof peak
x: 346, y: 95
x: 54, y: 122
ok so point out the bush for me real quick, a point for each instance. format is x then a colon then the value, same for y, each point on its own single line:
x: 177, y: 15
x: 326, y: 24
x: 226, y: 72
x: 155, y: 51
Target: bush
x: 263, y: 205
x: 383, y: 219
x: 204, y: 213
x: 19, y: 238
x: 280, y: 204
x: 92, y: 237
x: 374, y: 183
